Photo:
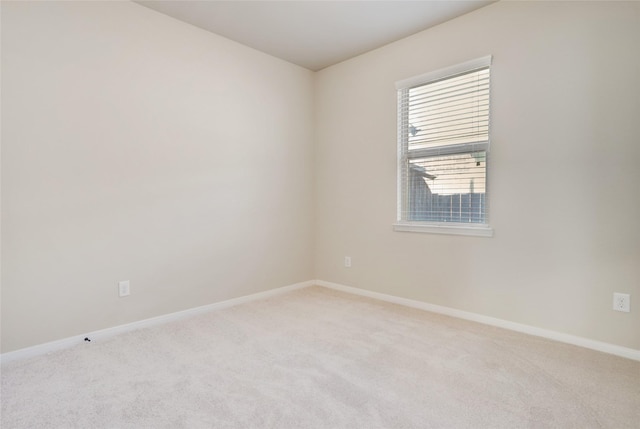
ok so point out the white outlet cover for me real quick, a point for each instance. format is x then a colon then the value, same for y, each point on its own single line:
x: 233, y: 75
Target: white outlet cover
x: 622, y: 302
x: 124, y: 288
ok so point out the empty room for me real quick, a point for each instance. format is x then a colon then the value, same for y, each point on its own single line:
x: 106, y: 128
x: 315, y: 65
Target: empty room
x: 320, y: 214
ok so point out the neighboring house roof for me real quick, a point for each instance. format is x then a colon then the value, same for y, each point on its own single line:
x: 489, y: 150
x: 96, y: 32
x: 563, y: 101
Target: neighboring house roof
x: 420, y: 171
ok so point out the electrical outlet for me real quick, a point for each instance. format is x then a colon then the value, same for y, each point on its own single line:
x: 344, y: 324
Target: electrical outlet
x: 124, y: 288
x: 347, y: 261
x: 621, y: 302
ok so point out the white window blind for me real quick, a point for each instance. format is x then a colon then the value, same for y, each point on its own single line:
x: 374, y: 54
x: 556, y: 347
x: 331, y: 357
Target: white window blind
x: 443, y: 142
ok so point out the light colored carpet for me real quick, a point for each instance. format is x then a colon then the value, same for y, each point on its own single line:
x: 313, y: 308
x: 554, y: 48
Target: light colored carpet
x: 317, y: 358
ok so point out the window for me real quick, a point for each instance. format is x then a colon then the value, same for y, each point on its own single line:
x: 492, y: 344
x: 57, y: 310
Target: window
x: 443, y: 146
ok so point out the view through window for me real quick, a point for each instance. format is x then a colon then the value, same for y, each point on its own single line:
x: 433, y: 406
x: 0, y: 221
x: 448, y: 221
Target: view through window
x: 443, y: 145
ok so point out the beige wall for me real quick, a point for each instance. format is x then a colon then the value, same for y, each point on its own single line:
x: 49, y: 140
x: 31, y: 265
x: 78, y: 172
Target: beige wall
x: 565, y: 170
x: 136, y: 147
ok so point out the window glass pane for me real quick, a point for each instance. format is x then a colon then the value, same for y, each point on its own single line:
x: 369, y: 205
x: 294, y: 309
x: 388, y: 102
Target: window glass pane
x: 449, y: 111
x: 448, y: 188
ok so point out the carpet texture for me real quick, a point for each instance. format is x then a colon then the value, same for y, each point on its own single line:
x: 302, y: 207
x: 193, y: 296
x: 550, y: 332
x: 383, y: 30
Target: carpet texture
x: 317, y: 358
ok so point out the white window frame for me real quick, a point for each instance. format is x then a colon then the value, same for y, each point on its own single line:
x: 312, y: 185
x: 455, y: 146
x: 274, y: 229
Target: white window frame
x: 470, y: 229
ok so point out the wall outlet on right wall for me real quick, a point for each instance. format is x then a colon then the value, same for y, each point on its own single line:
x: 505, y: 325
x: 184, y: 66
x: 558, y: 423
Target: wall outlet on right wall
x: 124, y: 288
x: 621, y: 302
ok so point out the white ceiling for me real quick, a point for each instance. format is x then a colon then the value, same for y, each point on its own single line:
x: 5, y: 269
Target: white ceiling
x: 315, y: 34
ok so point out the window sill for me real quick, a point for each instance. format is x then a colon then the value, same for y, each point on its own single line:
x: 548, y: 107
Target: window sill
x: 444, y: 228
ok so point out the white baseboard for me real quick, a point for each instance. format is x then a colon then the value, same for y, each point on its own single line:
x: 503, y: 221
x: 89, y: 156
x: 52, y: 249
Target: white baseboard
x: 500, y: 323
x: 42, y: 349
x: 52, y: 346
